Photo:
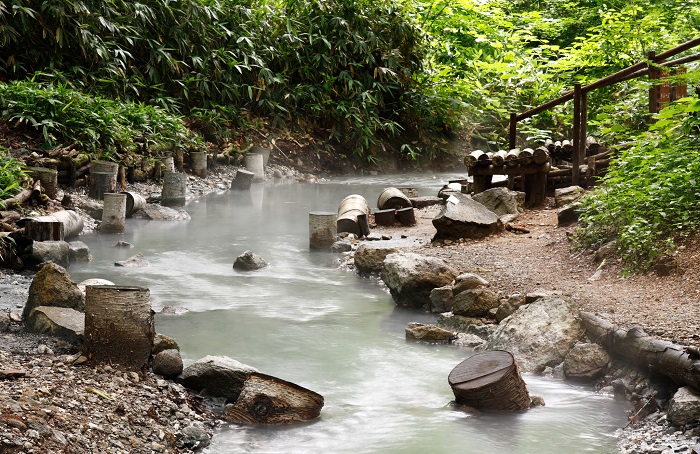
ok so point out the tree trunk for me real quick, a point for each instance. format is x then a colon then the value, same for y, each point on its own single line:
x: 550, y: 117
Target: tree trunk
x: 489, y: 381
x: 101, y: 183
x: 352, y: 215
x: 635, y: 345
x: 271, y: 400
x: 322, y: 229
x: 118, y: 326
x: 242, y: 180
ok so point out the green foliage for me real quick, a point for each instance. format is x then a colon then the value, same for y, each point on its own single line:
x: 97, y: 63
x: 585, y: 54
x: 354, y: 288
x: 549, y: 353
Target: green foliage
x: 103, y: 126
x: 651, y: 195
x: 12, y: 173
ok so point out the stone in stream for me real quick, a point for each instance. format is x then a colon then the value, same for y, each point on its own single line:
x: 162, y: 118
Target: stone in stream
x: 135, y: 261
x: 220, y: 376
x: 463, y: 217
x: 411, y: 277
x: 586, y: 362
x: 167, y: 363
x: 51, y: 251
x: 474, y: 303
x: 53, y: 286
x: 162, y: 342
x: 79, y: 252
x: 428, y: 333
x: 370, y: 259
x: 249, y: 261
x: 157, y: 212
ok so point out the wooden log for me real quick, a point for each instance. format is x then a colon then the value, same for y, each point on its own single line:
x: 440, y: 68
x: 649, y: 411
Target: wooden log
x: 535, y: 188
x: 134, y: 202
x: 385, y: 218
x: 474, y: 157
x: 242, y: 180
x: 392, y: 198
x: 513, y: 157
x: 489, y: 381
x: 48, y: 179
x: 44, y: 231
x: 270, y: 400
x: 635, y: 345
x: 499, y: 158
x: 352, y: 215
x: 549, y: 144
x: 119, y: 326
x: 72, y: 222
x: 406, y: 216
x: 540, y: 155
x: 17, y: 200
x: 510, y: 170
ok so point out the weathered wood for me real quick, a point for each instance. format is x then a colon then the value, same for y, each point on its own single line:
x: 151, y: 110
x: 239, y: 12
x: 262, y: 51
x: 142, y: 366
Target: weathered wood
x: 513, y: 157
x: 499, y: 158
x: 101, y: 183
x: 635, y: 345
x: 48, y: 179
x: 352, y: 215
x: 540, y: 155
x: 72, y: 222
x: 392, y: 198
x: 134, y: 202
x: 406, y: 216
x: 44, y: 231
x: 270, y: 400
x: 535, y: 187
x: 118, y: 326
x: 322, y: 229
x: 511, y: 170
x: 489, y: 381
x: 385, y: 217
x: 475, y: 157
x: 242, y: 180
x: 19, y: 199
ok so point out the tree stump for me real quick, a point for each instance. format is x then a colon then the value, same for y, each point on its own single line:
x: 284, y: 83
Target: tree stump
x: 48, y: 178
x: 392, y: 198
x: 322, y: 230
x: 271, y: 400
x: 101, y: 183
x: 118, y: 326
x: 199, y: 163
x: 385, y: 217
x: 44, y: 231
x: 113, y: 213
x: 242, y: 180
x: 255, y: 163
x: 489, y: 381
x: 406, y: 216
x: 174, y: 189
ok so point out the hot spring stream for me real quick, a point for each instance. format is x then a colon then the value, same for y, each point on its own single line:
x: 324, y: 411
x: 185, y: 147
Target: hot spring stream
x: 304, y: 320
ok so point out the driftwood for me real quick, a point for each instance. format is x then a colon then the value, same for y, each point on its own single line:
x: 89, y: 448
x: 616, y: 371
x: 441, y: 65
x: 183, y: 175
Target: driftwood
x: 635, y: 345
x: 19, y: 199
x: 270, y: 400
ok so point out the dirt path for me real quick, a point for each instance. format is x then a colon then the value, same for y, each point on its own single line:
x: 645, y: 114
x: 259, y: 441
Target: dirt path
x: 664, y: 306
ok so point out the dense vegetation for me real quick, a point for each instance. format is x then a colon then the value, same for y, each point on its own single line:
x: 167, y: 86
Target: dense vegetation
x: 374, y: 78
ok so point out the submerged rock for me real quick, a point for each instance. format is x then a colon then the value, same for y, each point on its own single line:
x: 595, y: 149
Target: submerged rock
x: 135, y: 261
x: 220, y: 376
x: 249, y: 261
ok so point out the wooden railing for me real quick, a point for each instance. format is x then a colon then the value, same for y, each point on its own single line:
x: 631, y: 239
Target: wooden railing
x: 579, y: 94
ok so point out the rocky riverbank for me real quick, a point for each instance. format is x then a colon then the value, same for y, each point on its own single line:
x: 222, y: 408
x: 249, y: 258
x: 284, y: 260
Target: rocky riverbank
x: 50, y: 404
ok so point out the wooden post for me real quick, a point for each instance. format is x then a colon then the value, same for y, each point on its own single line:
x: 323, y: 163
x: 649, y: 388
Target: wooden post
x: 385, y: 218
x: 199, y: 163
x: 654, y: 90
x: 118, y: 326
x: 242, y: 179
x: 174, y: 191
x: 48, y: 178
x: 322, y: 229
x: 513, y: 130
x: 406, y: 216
x: 113, y: 213
x: 101, y: 183
x: 584, y: 126
x: 577, y: 134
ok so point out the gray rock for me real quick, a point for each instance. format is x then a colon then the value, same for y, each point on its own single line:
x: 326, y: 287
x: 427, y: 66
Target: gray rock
x: 502, y: 201
x: 539, y: 334
x: 428, y: 333
x: 162, y: 342
x: 539, y: 293
x: 124, y: 245
x: 586, y: 362
x: 249, y: 261
x: 474, y: 303
x: 425, y: 201
x: 469, y: 281
x: 51, y: 251
x: 565, y: 196
x: 439, y: 297
x: 370, y: 259
x: 220, y: 376
x: 135, y: 261
x: 174, y: 310
x: 63, y: 322
x: 465, y: 218
x: 468, y: 325
x: 194, y: 438
x: 167, y: 363
x: 90, y: 206
x: 509, y: 306
x: 52, y: 286
x: 79, y: 252
x: 567, y: 214
x: 157, y: 212
x: 684, y: 407
x: 411, y: 277
x: 341, y: 246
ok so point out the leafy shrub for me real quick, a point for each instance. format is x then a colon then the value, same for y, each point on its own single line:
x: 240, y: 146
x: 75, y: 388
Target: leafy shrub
x: 12, y: 173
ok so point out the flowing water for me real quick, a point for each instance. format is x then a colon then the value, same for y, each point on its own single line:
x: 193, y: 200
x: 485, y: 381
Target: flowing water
x: 304, y: 320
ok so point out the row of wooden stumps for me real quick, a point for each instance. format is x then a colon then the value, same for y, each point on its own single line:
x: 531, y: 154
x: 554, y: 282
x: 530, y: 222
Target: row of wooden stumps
x: 394, y: 206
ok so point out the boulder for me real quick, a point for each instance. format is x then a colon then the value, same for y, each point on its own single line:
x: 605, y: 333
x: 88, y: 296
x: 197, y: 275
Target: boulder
x: 135, y: 261
x: 586, y: 362
x: 509, y: 306
x: 502, y: 201
x: 220, y: 376
x: 468, y: 340
x: 79, y: 252
x: 51, y: 251
x: 249, y: 261
x: 565, y: 196
x: 91, y: 207
x: 193, y: 438
x: 567, y: 214
x: 52, y: 286
x: 411, y: 277
x: 341, y: 246
x: 539, y: 334
x: 425, y: 201
x: 439, y: 298
x: 167, y: 363
x: 463, y: 217
x: 371, y: 259
x: 684, y: 407
x: 157, y: 212
x: 469, y: 281
x: 538, y: 293
x: 468, y: 325
x: 428, y: 333
x: 474, y: 303
x: 63, y: 322
x: 162, y: 342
